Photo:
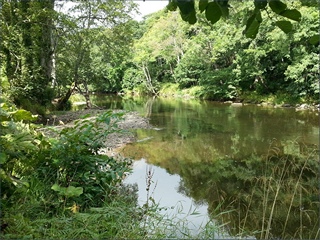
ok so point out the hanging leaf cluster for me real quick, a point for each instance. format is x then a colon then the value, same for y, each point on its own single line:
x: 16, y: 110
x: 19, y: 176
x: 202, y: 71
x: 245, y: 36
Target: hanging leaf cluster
x: 216, y: 9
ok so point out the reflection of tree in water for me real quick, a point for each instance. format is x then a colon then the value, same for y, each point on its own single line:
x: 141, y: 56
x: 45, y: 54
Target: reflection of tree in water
x: 273, y: 196
x: 182, y: 189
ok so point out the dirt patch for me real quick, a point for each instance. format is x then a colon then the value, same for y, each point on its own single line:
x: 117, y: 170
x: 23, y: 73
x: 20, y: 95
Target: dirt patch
x: 129, y: 122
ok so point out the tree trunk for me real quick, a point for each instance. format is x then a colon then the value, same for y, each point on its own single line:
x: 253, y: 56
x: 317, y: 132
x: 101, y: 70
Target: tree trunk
x: 47, y: 43
x: 62, y: 102
x: 85, y: 93
x: 148, y: 79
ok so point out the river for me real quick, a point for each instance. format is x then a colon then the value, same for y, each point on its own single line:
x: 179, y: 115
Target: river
x: 252, y: 169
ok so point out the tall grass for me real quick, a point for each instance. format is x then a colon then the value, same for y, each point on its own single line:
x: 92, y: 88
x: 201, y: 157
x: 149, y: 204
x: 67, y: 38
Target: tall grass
x: 278, y: 201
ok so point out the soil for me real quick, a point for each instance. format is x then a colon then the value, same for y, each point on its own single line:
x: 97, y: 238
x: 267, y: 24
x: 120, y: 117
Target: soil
x: 129, y: 122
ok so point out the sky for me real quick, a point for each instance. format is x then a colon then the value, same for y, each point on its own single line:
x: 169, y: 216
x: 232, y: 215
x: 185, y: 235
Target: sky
x: 145, y: 7
x: 149, y: 6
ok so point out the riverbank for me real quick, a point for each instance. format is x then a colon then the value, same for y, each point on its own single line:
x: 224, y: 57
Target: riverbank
x: 114, y: 141
x: 278, y: 100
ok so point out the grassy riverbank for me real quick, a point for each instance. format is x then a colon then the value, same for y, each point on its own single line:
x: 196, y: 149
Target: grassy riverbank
x: 63, y: 186
x: 278, y: 99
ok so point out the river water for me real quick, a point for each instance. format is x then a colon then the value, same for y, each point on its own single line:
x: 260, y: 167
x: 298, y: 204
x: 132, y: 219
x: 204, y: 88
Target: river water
x: 253, y: 169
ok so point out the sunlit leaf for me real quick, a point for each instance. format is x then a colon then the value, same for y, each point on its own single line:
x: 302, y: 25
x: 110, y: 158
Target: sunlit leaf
x: 213, y: 12
x: 22, y: 114
x: 69, y: 191
x: 285, y: 26
x: 277, y: 6
x: 292, y: 14
x: 55, y: 187
x: 73, y: 191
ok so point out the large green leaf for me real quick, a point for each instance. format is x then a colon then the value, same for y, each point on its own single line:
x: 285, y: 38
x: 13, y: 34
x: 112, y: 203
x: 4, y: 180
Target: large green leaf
x: 224, y: 7
x: 22, y: 114
x: 292, y: 14
x: 213, y: 12
x: 285, y: 26
x: 253, y: 24
x: 203, y: 5
x: 187, y: 11
x: 277, y: 6
x: 260, y: 4
x: 70, y: 191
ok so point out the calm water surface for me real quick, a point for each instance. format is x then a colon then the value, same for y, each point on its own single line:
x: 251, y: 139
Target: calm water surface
x: 254, y: 168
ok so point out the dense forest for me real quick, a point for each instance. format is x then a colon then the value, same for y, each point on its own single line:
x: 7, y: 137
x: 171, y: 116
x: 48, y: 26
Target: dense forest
x: 233, y: 50
x: 49, y: 53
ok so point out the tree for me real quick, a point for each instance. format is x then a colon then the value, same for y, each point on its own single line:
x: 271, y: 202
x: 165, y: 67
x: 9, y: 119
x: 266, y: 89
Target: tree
x: 89, y: 35
x: 160, y: 49
x: 27, y: 48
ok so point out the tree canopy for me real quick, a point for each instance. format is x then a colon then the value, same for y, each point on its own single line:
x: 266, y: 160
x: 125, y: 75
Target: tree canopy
x: 216, y: 9
x: 97, y: 46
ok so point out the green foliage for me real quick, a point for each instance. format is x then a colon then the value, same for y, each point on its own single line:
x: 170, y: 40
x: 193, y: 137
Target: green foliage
x: 92, y: 51
x: 132, y: 77
x: 216, y: 9
x: 26, y: 49
x: 217, y: 59
x: 219, y: 85
x: 117, y: 219
x: 19, y: 144
x: 76, y: 164
x: 271, y: 189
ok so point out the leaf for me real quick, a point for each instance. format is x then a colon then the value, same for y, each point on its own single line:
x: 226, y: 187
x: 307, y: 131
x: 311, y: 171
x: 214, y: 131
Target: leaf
x: 69, y: 191
x: 213, y: 12
x: 55, y: 187
x: 277, y: 6
x: 187, y: 11
x: 314, y: 40
x: 258, y: 16
x: 22, y: 114
x: 172, y: 5
x: 85, y: 116
x: 3, y: 158
x: 260, y: 4
x: 292, y: 14
x: 285, y: 26
x: 203, y: 5
x: 224, y: 7
x: 73, y: 191
x: 252, y: 26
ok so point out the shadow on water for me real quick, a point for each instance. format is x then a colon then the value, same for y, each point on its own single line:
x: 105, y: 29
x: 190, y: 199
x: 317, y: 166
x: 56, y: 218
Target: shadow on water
x: 254, y: 169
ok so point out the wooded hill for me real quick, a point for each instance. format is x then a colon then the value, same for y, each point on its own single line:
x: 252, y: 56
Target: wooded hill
x: 97, y: 46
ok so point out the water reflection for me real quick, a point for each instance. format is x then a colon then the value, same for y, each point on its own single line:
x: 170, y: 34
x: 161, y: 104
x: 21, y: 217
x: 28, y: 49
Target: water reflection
x: 255, y: 168
x: 164, y: 191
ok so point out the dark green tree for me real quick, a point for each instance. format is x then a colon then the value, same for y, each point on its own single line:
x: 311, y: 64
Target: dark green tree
x: 27, y: 49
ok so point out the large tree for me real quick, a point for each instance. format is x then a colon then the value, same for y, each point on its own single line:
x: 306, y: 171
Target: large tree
x: 90, y: 36
x: 27, y: 48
